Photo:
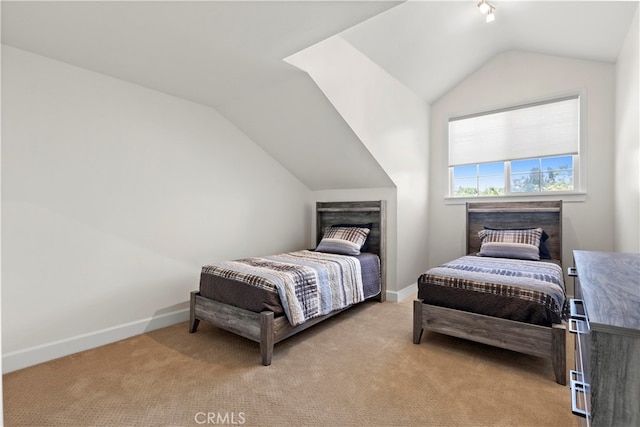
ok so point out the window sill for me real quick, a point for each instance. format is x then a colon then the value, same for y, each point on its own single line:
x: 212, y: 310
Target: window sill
x: 569, y: 197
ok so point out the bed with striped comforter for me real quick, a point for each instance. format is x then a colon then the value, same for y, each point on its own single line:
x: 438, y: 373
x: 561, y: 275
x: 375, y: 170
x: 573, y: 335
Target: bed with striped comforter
x: 521, y: 290
x: 310, y: 284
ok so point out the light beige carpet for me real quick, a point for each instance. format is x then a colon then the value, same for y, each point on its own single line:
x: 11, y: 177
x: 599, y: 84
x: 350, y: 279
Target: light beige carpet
x: 357, y: 369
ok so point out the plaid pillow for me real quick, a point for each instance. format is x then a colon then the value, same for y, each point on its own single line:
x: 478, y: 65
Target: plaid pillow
x: 343, y: 240
x: 520, y: 244
x: 544, y: 250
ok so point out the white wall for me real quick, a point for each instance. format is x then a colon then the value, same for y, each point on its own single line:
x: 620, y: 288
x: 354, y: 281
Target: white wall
x: 627, y: 145
x: 392, y: 122
x: 113, y: 197
x: 516, y: 77
x: 296, y: 124
x: 1, y: 367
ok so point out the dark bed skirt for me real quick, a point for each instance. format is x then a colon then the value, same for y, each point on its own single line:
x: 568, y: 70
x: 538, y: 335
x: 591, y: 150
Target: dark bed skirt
x: 487, y: 304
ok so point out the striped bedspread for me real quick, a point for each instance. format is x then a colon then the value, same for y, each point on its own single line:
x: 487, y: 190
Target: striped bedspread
x: 535, y: 281
x: 309, y: 283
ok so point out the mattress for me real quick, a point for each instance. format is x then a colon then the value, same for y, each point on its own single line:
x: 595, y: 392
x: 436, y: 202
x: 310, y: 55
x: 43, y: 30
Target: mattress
x: 258, y: 299
x: 520, y: 290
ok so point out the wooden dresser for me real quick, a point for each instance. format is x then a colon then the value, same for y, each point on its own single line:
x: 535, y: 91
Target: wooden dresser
x: 605, y: 318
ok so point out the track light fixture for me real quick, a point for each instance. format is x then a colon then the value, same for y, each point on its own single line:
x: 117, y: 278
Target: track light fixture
x: 491, y: 16
x: 488, y: 9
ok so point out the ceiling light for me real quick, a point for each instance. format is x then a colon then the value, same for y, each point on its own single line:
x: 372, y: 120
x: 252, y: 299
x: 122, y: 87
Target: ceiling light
x: 488, y: 9
x: 484, y: 6
x: 491, y: 16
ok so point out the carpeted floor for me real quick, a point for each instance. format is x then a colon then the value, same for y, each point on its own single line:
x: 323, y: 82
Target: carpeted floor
x: 359, y: 368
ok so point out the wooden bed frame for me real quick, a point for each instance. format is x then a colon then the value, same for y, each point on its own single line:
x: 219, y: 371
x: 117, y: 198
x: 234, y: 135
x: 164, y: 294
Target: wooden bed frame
x: 267, y: 329
x: 541, y: 341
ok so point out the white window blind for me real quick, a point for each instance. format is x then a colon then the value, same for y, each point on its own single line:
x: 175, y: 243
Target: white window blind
x: 534, y: 130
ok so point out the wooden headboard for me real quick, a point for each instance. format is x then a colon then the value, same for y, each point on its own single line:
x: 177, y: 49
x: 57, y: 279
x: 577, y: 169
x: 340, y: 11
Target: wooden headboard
x: 330, y: 213
x: 545, y: 215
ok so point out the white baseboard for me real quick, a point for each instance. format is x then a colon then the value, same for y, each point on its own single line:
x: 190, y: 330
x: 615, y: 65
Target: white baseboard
x: 403, y: 294
x: 43, y: 353
x: 32, y: 356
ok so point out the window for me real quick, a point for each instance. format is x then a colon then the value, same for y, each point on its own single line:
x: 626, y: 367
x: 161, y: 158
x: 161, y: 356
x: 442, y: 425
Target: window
x: 516, y: 177
x: 544, y: 174
x: 529, y: 149
x: 485, y: 179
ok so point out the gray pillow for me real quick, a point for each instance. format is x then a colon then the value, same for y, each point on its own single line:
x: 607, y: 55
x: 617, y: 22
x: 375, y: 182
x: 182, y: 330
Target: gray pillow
x: 343, y: 240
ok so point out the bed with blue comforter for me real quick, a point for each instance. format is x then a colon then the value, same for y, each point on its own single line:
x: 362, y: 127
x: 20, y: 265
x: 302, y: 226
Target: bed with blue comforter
x: 301, y: 285
x: 270, y: 298
x: 508, y: 290
x: 521, y: 290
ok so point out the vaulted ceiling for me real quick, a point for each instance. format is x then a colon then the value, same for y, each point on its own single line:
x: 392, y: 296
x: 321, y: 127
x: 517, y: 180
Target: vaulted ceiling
x: 431, y: 46
x: 229, y: 55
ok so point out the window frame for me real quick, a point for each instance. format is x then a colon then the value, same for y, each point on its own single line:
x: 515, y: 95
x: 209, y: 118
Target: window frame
x: 579, y: 160
x: 507, y: 181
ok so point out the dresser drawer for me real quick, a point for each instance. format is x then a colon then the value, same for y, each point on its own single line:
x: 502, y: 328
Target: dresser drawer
x: 607, y: 335
x: 580, y: 378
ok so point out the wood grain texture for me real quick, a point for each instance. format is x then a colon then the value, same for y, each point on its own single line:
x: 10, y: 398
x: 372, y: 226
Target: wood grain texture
x: 559, y: 352
x: 540, y: 341
x: 614, y: 306
x: 609, y: 284
x: 547, y: 342
x: 365, y: 212
x: 267, y: 338
x: 264, y: 327
x: 417, y: 321
x: 546, y: 215
x: 233, y: 319
x: 534, y: 340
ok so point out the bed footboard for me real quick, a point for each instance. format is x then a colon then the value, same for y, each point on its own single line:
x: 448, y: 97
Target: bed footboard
x: 258, y: 327
x: 268, y: 329
x: 263, y: 328
x: 540, y: 341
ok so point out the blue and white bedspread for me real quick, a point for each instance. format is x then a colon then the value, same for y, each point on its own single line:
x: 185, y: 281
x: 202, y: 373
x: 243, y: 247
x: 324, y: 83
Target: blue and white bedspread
x: 536, y: 281
x: 310, y: 284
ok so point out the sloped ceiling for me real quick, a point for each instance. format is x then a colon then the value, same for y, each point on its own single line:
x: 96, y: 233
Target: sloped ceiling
x: 228, y: 55
x: 225, y: 54
x: 432, y: 46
